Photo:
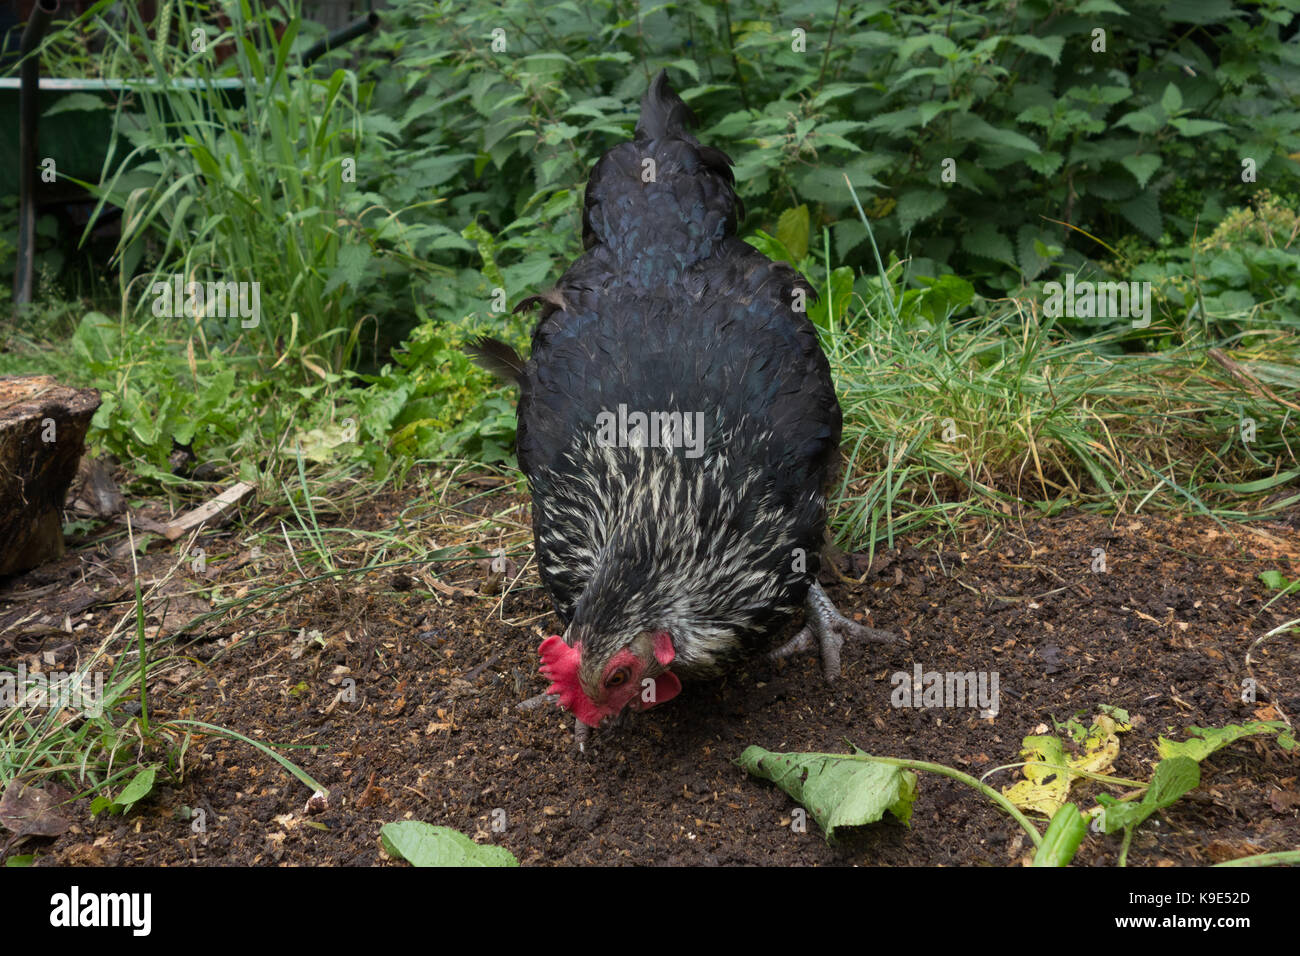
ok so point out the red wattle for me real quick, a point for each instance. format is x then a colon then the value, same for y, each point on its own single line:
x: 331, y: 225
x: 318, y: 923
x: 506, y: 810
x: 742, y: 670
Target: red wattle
x: 667, y: 686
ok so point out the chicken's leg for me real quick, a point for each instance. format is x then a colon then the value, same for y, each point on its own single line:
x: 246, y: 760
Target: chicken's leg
x: 580, y: 730
x: 532, y: 703
x: 830, y: 628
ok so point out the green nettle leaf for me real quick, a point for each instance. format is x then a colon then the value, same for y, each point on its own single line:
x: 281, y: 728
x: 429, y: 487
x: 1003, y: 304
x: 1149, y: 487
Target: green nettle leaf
x: 423, y: 844
x: 1046, y: 163
x: 730, y: 125
x: 906, y: 49
x: 1049, y: 47
x: 687, y: 66
x: 914, y: 205
x: 1031, y: 242
x: 941, y: 45
x: 977, y: 129
x: 381, y: 125
x: 848, y: 235
x: 792, y: 231
x: 1100, y: 6
x: 1198, y: 11
x: 986, y: 241
x: 1140, y: 121
x: 1142, y: 167
x: 1196, y: 127
x: 1039, y: 115
x: 930, y: 110
x: 1143, y: 211
x: 560, y: 132
x: 826, y: 184
x: 1172, y: 99
x: 838, y: 791
x: 350, y: 268
x: 895, y: 122
x: 70, y: 102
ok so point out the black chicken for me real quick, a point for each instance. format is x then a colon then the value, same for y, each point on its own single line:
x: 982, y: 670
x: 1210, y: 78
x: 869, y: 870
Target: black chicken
x: 674, y: 540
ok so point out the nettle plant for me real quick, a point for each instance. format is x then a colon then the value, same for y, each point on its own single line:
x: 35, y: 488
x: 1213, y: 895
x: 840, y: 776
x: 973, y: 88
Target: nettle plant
x: 1045, y: 114
x: 967, y: 129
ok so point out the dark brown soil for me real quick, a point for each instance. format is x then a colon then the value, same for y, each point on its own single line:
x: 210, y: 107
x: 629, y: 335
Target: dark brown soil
x: 433, y: 733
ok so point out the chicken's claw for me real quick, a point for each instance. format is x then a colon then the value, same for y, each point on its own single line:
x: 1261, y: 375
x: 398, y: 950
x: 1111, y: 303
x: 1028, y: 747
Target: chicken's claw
x: 829, y: 628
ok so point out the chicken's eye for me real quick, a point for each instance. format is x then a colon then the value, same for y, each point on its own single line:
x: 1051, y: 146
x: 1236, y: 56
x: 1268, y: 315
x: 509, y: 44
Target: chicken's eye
x: 618, y: 678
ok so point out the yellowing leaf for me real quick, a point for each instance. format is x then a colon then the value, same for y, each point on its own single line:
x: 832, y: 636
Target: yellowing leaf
x: 1044, y: 789
x: 1048, y: 777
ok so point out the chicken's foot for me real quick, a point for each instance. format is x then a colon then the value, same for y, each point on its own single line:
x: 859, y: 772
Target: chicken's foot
x: 829, y: 629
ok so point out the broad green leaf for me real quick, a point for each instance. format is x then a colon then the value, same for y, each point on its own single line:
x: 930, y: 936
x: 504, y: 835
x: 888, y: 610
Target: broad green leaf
x: 1278, y: 582
x: 1173, y: 777
x: 984, y: 240
x: 945, y: 296
x: 1142, y: 167
x: 1140, y: 121
x: 1046, y: 163
x: 1089, y: 7
x: 838, y: 791
x: 835, y: 295
x: 1198, y: 11
x: 895, y: 122
x: 1196, y: 127
x: 687, y: 66
x: 137, y: 789
x: 1049, y: 47
x: 350, y: 268
x: 76, y: 101
x: 792, y: 231
x: 1038, y: 114
x: 1143, y: 211
x: 931, y: 109
x: 423, y: 844
x: 1063, y: 836
x: 1171, y: 101
x: 1206, y: 740
x: 915, y: 205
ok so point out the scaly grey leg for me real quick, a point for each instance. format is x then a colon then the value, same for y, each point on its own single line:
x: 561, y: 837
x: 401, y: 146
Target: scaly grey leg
x: 827, y: 629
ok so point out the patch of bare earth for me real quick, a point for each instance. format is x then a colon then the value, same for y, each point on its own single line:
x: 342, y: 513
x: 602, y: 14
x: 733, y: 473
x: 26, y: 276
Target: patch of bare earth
x: 404, y: 704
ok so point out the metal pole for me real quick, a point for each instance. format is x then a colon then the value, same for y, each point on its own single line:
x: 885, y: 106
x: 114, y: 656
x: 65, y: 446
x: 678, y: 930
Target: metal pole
x: 28, y: 111
x: 337, y: 39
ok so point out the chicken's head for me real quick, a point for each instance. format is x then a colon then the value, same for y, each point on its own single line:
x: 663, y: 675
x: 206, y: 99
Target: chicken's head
x: 596, y: 686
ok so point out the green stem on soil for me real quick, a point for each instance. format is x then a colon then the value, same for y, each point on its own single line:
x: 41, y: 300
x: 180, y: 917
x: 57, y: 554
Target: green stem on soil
x: 960, y: 777
x: 1074, y: 772
x: 1280, y: 858
x: 1123, y: 847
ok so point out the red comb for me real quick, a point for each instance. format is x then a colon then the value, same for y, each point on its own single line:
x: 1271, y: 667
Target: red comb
x: 560, y: 664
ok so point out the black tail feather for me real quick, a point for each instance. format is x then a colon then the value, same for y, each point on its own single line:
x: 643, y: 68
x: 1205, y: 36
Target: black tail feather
x: 497, y: 357
x: 663, y: 113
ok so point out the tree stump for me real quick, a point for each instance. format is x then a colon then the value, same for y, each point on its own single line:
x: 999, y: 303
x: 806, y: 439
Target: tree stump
x: 42, y: 433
